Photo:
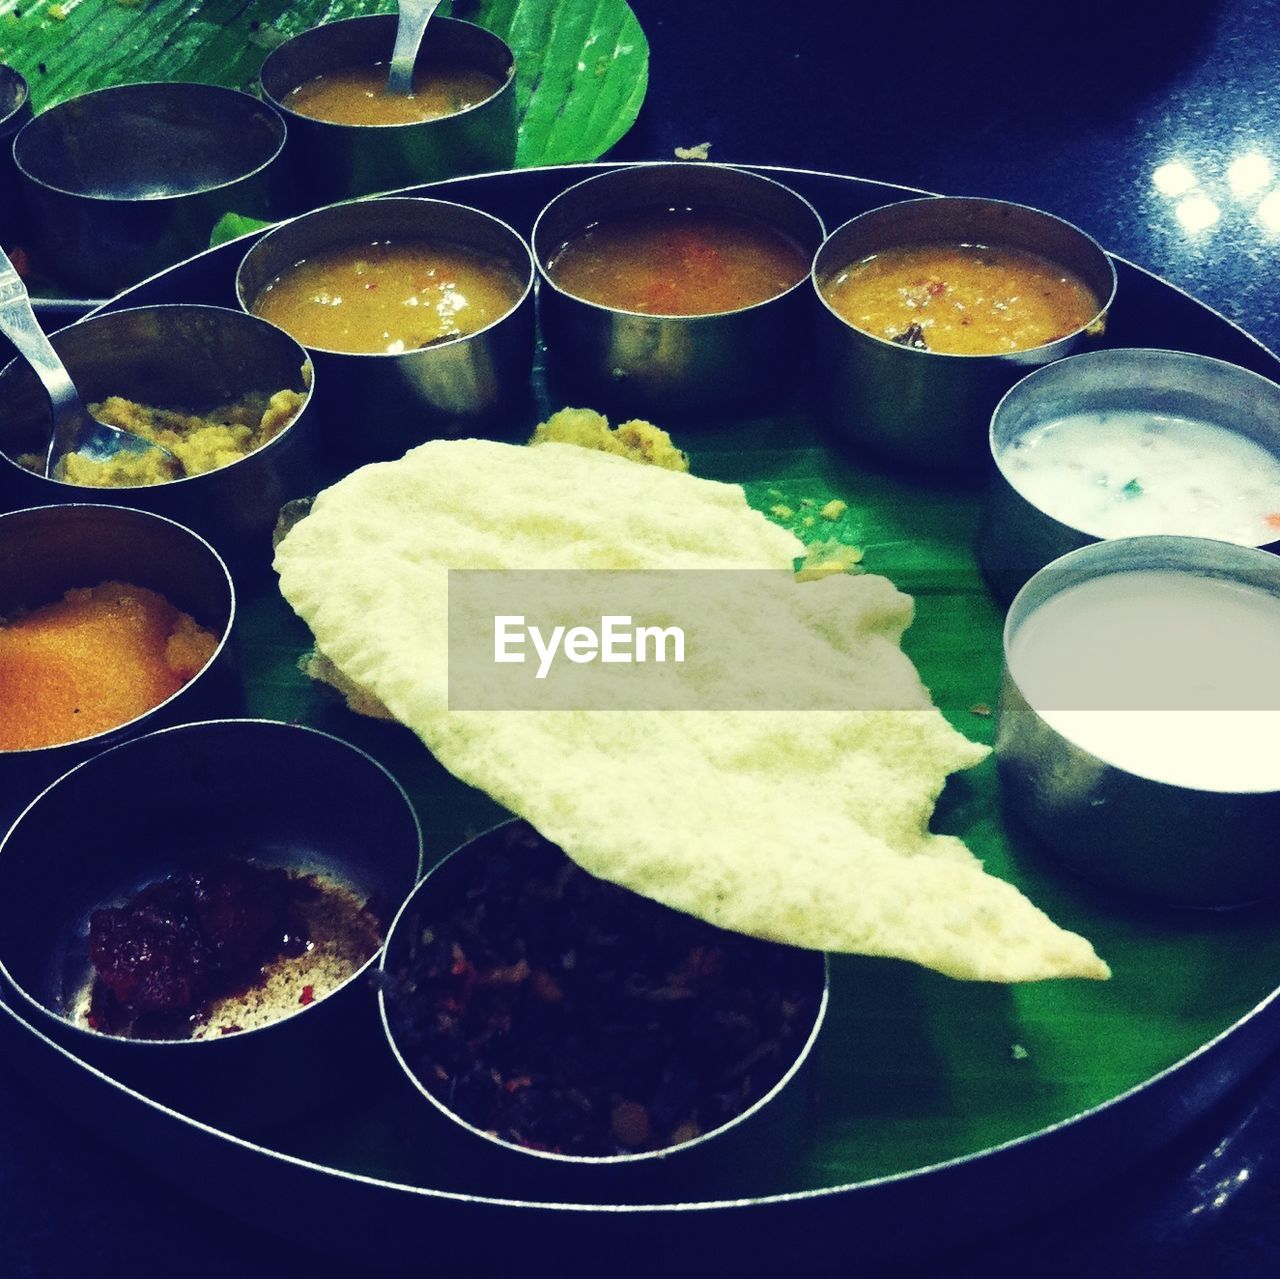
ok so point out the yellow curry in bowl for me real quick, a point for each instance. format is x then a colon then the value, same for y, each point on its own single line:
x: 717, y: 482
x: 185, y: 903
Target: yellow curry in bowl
x: 961, y: 299
x: 389, y: 297
x: 199, y: 442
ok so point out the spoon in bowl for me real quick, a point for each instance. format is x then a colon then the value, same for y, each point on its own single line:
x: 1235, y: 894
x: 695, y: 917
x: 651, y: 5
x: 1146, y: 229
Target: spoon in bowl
x: 411, y: 23
x: 74, y: 430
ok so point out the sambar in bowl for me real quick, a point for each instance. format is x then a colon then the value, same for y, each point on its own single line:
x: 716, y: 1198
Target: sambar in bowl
x: 932, y: 308
x: 418, y: 314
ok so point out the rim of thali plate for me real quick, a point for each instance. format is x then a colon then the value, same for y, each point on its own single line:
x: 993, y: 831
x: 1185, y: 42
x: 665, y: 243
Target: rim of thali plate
x: 685, y: 1206
x: 984, y: 1156
x: 585, y: 169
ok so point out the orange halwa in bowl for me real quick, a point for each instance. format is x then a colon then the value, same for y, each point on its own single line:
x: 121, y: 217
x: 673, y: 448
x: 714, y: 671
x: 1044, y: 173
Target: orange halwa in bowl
x: 113, y: 621
x: 961, y: 299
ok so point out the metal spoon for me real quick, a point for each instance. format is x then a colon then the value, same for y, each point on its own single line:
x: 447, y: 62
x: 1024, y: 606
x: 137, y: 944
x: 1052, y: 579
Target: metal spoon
x: 74, y: 431
x: 411, y: 23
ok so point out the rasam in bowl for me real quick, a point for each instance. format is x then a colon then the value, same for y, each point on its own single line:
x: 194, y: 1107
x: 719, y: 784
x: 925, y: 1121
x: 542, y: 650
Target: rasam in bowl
x: 675, y: 288
x: 343, y: 140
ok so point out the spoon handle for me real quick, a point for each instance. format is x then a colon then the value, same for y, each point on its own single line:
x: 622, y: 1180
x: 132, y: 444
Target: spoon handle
x: 19, y: 324
x: 410, y: 26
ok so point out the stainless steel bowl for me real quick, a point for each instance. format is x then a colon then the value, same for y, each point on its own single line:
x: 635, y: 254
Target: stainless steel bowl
x: 47, y: 550
x: 378, y: 405
x: 1017, y: 538
x: 180, y: 356
x: 280, y: 794
x: 768, y: 1119
x: 679, y: 364
x: 335, y: 161
x: 1180, y: 844
x: 125, y: 181
x: 928, y: 409
x: 15, y: 111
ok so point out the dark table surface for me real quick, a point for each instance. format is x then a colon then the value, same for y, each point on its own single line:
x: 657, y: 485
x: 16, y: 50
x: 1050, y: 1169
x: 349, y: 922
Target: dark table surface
x: 1156, y: 127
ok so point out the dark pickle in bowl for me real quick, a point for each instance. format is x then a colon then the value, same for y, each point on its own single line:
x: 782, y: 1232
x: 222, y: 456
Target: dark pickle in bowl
x: 226, y: 946
x: 563, y: 1014
x: 678, y: 261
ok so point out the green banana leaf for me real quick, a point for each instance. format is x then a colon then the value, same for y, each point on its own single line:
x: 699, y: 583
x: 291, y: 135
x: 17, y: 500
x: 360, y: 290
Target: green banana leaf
x: 583, y: 65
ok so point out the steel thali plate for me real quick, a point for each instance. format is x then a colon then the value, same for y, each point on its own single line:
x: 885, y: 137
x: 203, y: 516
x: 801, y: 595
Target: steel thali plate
x: 970, y: 1105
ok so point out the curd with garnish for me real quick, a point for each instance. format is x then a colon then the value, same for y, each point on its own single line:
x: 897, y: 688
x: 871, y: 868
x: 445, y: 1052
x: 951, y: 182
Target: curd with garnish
x: 1129, y: 472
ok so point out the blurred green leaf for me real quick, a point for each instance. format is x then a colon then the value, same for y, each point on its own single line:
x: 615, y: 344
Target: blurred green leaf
x: 230, y: 226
